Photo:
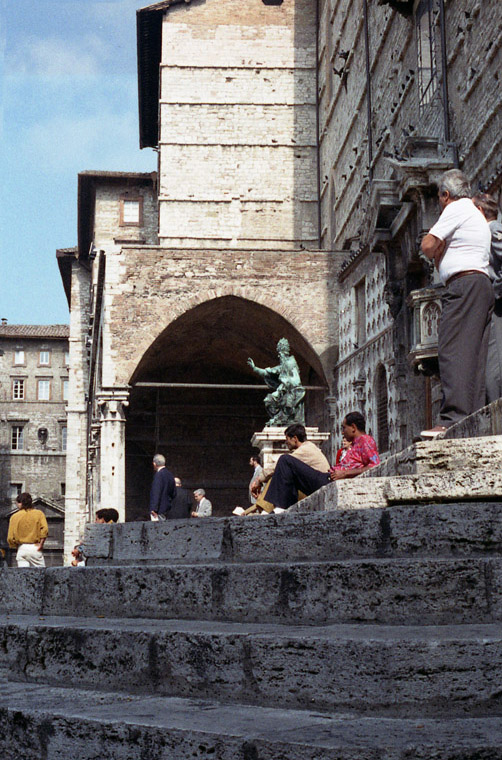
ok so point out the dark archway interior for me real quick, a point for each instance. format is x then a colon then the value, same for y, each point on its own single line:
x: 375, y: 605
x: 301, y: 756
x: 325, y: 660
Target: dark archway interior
x: 205, y: 434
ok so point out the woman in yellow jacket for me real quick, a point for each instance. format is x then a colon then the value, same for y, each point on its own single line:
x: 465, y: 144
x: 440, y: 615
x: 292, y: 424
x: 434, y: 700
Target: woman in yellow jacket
x: 28, y: 530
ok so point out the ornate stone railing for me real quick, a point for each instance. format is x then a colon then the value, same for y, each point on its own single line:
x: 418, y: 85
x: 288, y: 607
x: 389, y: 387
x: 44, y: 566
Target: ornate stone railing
x: 426, y: 307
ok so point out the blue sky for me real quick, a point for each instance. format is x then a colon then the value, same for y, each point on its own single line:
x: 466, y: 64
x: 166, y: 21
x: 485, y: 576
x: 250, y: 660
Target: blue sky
x: 68, y: 103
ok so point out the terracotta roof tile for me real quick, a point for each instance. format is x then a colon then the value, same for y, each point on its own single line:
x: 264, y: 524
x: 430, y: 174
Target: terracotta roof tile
x: 34, y: 331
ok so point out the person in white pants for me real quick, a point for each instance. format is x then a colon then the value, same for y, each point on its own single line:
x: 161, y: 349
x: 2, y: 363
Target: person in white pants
x: 28, y: 530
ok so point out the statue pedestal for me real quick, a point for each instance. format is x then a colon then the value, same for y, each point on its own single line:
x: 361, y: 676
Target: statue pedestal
x: 270, y: 441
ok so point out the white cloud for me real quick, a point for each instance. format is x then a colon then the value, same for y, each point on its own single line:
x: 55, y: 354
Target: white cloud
x: 108, y: 140
x: 55, y: 57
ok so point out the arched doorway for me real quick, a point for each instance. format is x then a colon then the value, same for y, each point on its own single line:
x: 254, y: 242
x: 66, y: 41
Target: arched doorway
x: 205, y: 432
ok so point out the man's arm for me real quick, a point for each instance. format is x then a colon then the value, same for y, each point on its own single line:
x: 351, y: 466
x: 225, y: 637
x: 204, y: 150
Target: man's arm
x: 433, y: 247
x: 341, y: 474
x: 155, y: 494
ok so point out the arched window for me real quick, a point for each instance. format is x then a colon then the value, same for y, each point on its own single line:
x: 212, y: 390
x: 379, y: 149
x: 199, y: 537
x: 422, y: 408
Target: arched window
x: 382, y: 408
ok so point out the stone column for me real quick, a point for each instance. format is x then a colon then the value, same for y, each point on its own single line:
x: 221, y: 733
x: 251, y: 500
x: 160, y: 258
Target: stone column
x: 111, y: 403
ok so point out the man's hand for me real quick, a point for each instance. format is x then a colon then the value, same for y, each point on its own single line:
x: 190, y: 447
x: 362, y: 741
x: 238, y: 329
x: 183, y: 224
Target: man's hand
x: 251, y: 363
x: 255, y: 488
x: 194, y: 514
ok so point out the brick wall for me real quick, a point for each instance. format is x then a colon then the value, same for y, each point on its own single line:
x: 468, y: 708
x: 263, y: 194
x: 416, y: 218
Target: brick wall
x: 238, y: 156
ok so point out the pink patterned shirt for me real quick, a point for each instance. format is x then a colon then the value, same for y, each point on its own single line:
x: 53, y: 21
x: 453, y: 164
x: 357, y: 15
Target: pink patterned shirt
x: 362, y: 453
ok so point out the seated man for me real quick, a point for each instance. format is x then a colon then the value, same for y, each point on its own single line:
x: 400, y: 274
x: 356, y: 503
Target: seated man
x: 292, y: 475
x: 302, y: 452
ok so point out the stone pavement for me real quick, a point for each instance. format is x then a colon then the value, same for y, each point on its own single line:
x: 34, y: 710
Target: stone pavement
x: 336, y: 632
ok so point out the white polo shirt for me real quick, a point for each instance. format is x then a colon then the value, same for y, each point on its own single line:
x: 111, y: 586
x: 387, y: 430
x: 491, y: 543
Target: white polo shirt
x: 467, y: 235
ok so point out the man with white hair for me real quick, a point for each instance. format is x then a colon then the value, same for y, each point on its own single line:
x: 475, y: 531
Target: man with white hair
x: 204, y: 507
x: 163, y: 490
x: 459, y: 245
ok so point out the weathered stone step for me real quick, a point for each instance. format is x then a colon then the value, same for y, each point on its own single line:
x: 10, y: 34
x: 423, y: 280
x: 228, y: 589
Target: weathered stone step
x: 414, y: 530
x: 398, y: 591
x: 428, y: 488
x: 57, y: 723
x: 440, y: 455
x: 388, y: 670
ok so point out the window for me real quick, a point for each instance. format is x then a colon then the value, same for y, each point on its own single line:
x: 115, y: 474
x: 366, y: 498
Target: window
x: 64, y: 437
x: 65, y: 385
x: 19, y: 356
x: 67, y: 358
x: 17, y: 438
x: 44, y: 390
x: 15, y: 490
x: 44, y: 358
x: 382, y: 402
x: 63, y: 489
x: 360, y: 309
x: 131, y: 211
x: 426, y: 17
x: 18, y: 390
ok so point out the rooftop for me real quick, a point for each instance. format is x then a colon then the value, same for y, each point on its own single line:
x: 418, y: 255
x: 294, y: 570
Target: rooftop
x: 34, y: 331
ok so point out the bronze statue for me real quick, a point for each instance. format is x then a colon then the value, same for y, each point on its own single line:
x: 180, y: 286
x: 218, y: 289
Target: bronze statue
x: 285, y: 404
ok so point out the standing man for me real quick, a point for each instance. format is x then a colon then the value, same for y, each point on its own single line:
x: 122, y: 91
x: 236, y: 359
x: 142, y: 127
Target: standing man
x: 27, y: 533
x: 459, y: 245
x: 182, y: 504
x: 204, y: 507
x: 163, y: 490
x: 255, y: 463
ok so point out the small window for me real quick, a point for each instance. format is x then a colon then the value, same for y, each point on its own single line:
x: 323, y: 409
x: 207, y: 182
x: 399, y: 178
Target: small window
x: 64, y: 437
x: 382, y: 401
x: 44, y: 390
x: 426, y: 49
x: 272, y: 2
x: 44, y: 358
x: 19, y: 356
x: 360, y: 309
x: 18, y: 390
x: 67, y: 358
x: 63, y: 489
x: 131, y: 212
x: 17, y: 438
x: 15, y: 490
x: 65, y: 385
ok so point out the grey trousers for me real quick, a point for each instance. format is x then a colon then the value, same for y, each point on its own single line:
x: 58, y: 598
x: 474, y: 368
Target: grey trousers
x: 463, y: 346
x: 494, y: 363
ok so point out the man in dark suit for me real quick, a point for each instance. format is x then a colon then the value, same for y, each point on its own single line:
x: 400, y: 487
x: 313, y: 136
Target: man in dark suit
x: 182, y: 505
x: 163, y: 490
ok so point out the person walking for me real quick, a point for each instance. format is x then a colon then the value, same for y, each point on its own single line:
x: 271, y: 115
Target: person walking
x: 204, y: 507
x: 28, y: 530
x: 163, y: 490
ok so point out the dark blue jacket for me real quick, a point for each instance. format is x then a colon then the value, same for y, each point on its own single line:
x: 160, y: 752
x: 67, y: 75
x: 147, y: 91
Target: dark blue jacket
x: 162, y: 492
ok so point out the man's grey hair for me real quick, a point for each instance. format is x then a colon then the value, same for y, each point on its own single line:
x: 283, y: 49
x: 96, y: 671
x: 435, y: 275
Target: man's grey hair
x: 159, y: 460
x: 456, y: 183
x: 200, y: 491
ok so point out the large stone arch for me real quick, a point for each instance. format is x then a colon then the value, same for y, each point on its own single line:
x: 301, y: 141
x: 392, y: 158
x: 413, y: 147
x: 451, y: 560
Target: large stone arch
x: 205, y: 432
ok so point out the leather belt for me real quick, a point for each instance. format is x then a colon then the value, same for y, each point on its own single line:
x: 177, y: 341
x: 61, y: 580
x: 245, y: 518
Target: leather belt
x: 464, y: 274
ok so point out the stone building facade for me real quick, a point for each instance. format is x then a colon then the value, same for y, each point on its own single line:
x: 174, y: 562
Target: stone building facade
x: 299, y: 143
x: 34, y: 382
x: 407, y: 91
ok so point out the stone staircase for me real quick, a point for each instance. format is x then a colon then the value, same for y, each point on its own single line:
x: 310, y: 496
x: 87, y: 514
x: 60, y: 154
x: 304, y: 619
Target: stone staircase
x: 333, y: 632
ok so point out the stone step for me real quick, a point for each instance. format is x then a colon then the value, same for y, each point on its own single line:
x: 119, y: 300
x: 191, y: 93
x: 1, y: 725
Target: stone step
x: 427, y: 488
x: 397, y: 591
x: 56, y: 723
x: 414, y: 530
x: 441, y: 456
x: 387, y: 670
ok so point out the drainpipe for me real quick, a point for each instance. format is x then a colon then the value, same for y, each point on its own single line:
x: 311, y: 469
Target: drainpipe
x: 318, y: 137
x: 368, y: 91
